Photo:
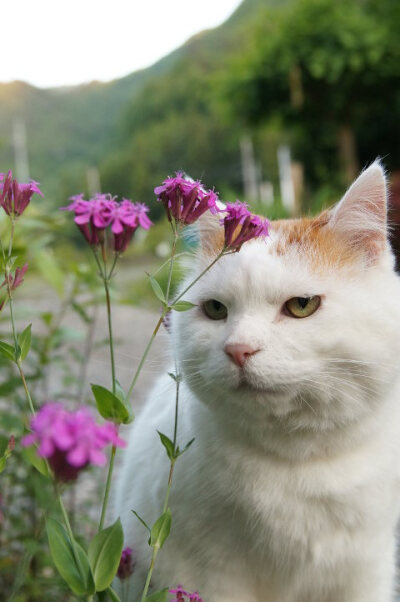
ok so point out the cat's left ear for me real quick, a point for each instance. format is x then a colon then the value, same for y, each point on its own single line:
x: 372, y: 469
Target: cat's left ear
x: 361, y: 216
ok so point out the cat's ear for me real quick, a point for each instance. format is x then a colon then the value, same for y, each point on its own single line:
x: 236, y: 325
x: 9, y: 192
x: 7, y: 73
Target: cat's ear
x: 210, y: 233
x: 361, y: 216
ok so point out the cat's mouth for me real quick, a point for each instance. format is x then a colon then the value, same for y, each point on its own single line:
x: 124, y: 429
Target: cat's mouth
x: 246, y: 384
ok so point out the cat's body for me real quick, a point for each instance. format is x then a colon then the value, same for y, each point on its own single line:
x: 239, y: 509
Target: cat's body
x: 291, y: 490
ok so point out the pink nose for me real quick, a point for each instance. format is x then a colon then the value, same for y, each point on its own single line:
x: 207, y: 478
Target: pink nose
x: 239, y: 353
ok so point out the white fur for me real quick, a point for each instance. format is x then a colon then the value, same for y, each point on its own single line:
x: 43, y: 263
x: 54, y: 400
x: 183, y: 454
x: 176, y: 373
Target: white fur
x: 291, y: 490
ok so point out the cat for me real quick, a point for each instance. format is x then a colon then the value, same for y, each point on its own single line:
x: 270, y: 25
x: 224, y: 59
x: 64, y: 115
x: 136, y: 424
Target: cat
x: 290, y: 363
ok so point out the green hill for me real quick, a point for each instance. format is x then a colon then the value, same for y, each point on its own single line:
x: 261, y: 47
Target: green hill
x: 71, y: 129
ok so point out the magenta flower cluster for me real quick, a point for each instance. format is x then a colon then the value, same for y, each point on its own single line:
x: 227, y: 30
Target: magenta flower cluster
x: 70, y: 440
x: 101, y: 211
x: 126, y: 564
x: 240, y: 225
x: 15, y: 197
x: 185, y: 200
x: 182, y: 596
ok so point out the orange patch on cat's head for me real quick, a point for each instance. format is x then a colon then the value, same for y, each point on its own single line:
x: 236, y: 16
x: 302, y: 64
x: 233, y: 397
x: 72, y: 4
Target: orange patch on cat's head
x: 312, y: 238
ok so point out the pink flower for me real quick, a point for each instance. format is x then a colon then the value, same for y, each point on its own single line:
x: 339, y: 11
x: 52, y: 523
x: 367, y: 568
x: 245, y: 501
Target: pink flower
x: 241, y: 226
x: 92, y: 216
x: 126, y: 564
x: 70, y: 440
x: 95, y: 215
x: 185, y: 200
x: 182, y: 595
x: 127, y: 217
x: 15, y: 197
x: 17, y: 279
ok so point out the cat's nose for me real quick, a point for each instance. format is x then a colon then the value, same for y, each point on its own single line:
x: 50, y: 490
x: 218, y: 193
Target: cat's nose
x: 239, y: 352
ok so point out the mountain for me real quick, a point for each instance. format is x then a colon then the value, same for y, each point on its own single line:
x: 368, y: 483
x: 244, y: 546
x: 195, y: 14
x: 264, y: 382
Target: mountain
x: 70, y: 129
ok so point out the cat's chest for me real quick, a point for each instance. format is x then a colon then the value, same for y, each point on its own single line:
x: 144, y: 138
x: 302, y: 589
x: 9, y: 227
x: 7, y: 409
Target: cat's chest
x: 304, y: 507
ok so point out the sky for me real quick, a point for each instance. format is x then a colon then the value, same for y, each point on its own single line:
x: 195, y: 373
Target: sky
x: 58, y: 42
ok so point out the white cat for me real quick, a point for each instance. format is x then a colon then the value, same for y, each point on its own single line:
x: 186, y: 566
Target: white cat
x: 291, y: 490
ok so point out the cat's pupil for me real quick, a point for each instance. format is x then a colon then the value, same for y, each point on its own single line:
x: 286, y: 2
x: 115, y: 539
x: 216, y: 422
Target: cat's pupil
x: 217, y: 305
x: 302, y: 301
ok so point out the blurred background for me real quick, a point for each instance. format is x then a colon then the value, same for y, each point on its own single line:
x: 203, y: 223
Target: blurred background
x: 279, y: 103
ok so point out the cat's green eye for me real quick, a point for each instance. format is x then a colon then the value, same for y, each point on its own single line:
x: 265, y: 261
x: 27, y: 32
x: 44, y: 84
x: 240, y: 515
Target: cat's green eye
x: 215, y: 310
x: 302, y: 307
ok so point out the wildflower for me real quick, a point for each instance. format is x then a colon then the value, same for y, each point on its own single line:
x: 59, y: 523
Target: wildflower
x: 185, y: 200
x: 70, y: 440
x: 93, y: 216
x: 127, y: 217
x: 126, y: 564
x: 241, y: 226
x: 182, y: 595
x: 15, y: 197
x: 13, y: 282
x: 18, y: 278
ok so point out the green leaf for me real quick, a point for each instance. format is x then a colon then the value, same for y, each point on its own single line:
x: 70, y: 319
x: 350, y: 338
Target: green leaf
x: 81, y: 311
x: 119, y: 392
x: 24, y: 341
x: 113, y: 595
x: 7, y: 351
x: 30, y: 455
x: 168, y: 444
x: 78, y: 576
x: 110, y: 406
x: 161, y: 529
x: 160, y: 596
x: 105, y: 553
x: 179, y: 452
x: 183, y: 306
x: 157, y: 289
x: 142, y: 521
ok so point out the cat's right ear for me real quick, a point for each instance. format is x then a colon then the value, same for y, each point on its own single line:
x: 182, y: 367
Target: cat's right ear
x: 210, y: 234
x: 361, y: 216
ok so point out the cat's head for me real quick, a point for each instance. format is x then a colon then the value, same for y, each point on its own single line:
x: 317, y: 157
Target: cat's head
x: 301, y: 330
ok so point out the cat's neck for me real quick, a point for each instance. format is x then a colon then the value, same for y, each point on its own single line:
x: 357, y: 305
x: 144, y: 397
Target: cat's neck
x: 281, y: 438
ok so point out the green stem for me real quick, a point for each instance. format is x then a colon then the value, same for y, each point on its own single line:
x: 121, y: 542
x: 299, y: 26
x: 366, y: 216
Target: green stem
x: 107, y: 490
x: 149, y: 574
x: 200, y: 276
x: 28, y: 396
x: 168, y: 491
x: 160, y: 320
x: 145, y: 354
x: 14, y: 330
x: 110, y: 333
x: 113, y: 266
x: 69, y: 529
x: 176, y: 236
x: 11, y: 237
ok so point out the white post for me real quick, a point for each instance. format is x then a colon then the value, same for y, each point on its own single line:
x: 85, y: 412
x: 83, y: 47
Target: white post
x: 286, y: 180
x: 20, y: 150
x: 249, y: 169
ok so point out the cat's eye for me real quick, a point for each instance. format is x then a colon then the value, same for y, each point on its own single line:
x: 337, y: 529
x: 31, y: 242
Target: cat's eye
x: 215, y: 310
x: 302, y: 307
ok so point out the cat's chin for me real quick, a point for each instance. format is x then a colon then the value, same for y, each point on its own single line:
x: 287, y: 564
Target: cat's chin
x: 246, y: 385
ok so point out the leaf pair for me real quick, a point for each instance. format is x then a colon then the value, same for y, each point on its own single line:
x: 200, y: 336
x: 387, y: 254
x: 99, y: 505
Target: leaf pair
x: 87, y: 573
x: 160, y: 530
x: 113, y: 406
x: 178, y: 306
x: 172, y: 452
x: 22, y: 348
